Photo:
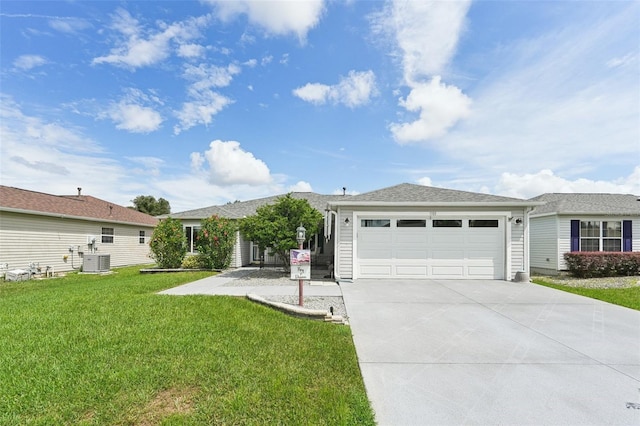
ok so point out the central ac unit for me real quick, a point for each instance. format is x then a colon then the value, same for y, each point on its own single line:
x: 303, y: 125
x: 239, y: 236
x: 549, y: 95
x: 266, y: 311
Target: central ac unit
x: 96, y: 263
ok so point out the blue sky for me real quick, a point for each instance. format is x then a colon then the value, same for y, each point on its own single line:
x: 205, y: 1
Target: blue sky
x: 208, y: 102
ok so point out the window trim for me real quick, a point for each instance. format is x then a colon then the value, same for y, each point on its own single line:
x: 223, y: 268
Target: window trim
x: 600, y: 238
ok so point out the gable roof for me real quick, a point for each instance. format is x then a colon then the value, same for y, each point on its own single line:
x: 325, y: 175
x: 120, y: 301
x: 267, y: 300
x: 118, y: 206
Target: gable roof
x: 407, y: 194
x: 241, y: 209
x: 600, y: 204
x: 71, y: 206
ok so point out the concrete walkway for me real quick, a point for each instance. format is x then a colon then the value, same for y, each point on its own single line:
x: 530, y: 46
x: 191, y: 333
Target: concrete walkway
x: 221, y: 285
x: 493, y: 352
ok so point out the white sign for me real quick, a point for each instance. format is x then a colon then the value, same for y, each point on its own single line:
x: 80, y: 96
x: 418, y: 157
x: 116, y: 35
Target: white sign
x: 300, y: 264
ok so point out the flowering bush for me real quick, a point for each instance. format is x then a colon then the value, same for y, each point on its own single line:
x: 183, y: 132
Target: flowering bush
x: 193, y: 262
x: 215, y: 242
x: 603, y: 264
x: 168, y: 243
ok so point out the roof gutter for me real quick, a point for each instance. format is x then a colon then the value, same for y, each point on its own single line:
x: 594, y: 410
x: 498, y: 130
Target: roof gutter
x: 65, y: 216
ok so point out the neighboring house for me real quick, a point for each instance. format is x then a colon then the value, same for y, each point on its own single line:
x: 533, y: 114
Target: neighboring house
x: 582, y: 222
x: 56, y: 231
x: 414, y: 231
x: 245, y: 252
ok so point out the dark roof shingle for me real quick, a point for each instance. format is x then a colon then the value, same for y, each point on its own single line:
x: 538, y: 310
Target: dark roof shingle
x: 79, y: 206
x: 583, y: 203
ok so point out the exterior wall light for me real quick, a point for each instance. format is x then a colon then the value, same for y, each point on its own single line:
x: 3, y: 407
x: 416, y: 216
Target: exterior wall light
x: 301, y: 235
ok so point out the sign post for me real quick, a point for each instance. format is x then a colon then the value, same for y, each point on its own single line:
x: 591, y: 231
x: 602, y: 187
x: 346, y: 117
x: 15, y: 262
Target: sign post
x: 300, y: 263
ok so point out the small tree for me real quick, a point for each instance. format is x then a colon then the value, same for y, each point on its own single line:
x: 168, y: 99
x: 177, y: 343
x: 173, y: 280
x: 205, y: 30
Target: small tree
x: 168, y: 243
x: 215, y: 242
x: 149, y: 205
x: 274, y: 225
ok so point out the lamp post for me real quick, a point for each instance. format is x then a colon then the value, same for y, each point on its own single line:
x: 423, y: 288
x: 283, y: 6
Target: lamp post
x: 301, y: 236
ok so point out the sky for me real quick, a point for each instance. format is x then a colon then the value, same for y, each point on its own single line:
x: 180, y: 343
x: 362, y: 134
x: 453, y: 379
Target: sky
x: 204, y: 103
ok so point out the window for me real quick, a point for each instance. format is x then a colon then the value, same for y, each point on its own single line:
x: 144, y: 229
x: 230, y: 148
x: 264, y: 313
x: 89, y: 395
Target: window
x: 107, y: 235
x: 141, y: 237
x: 412, y: 223
x: 375, y: 223
x: 600, y: 236
x: 483, y: 223
x: 191, y: 232
x: 447, y: 223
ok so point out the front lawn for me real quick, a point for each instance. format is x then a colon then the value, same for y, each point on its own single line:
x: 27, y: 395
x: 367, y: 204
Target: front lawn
x: 89, y: 349
x: 628, y: 296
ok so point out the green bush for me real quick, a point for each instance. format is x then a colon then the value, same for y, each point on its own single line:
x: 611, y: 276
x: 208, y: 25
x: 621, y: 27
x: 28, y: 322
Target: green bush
x: 602, y: 264
x: 215, y: 242
x: 193, y: 262
x: 168, y: 243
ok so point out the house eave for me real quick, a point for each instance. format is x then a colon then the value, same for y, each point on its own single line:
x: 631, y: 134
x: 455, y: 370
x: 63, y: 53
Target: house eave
x: 67, y: 216
x: 432, y: 204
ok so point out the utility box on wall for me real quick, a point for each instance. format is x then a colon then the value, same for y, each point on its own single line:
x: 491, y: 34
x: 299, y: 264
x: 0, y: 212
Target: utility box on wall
x: 96, y: 263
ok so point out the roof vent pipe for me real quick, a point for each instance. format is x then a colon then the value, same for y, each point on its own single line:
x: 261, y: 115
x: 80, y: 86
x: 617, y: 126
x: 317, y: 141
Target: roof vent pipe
x: 79, y: 191
x: 344, y: 190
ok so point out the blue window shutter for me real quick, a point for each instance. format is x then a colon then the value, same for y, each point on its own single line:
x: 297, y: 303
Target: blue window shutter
x: 626, y: 235
x: 575, y: 235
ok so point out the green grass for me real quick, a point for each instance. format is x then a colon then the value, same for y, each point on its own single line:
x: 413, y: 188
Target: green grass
x: 89, y: 349
x: 628, y: 297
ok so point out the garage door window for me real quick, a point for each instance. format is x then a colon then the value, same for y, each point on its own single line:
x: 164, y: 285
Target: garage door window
x: 411, y: 223
x: 375, y: 223
x: 447, y: 223
x: 483, y: 223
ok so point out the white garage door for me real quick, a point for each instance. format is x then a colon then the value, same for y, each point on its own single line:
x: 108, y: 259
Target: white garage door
x: 431, y: 248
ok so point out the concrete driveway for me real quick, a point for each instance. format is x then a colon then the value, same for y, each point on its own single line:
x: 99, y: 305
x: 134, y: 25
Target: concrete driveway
x: 493, y: 352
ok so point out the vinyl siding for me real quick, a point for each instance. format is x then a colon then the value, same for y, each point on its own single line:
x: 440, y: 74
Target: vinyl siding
x: 344, y: 251
x: 26, y: 238
x: 517, y: 244
x: 544, y: 244
x: 241, y: 252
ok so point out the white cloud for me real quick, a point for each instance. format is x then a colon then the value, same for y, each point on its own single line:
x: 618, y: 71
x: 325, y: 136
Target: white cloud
x: 354, y: 90
x: 69, y: 25
x: 425, y: 181
x: 439, y: 106
x: 275, y: 17
x: 301, y: 186
x: 139, y: 48
x: 426, y: 35
x: 27, y: 62
x: 251, y: 63
x: 229, y: 164
x: 131, y: 115
x: 530, y: 185
x: 134, y: 118
x: 204, y: 103
x: 191, y: 50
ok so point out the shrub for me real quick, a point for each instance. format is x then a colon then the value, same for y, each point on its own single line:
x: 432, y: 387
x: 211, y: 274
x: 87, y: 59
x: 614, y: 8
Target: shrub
x: 193, y: 262
x: 215, y: 242
x: 168, y: 243
x: 603, y: 264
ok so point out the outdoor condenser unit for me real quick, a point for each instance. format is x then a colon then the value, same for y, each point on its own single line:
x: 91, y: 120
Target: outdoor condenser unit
x: 96, y: 263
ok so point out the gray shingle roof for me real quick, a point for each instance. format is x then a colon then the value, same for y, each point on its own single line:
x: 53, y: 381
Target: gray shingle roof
x: 411, y: 193
x: 241, y: 209
x: 600, y: 204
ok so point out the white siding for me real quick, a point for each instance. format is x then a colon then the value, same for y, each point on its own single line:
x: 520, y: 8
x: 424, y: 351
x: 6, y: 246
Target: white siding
x: 544, y: 244
x: 344, y: 251
x: 517, y: 250
x: 26, y: 238
x: 241, y: 255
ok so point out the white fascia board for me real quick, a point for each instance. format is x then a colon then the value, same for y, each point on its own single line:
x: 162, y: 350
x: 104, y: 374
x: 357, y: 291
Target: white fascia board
x: 433, y: 204
x: 533, y: 216
x: 66, y: 216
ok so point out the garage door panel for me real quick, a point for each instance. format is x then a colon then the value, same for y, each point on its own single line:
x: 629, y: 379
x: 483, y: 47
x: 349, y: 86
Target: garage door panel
x: 411, y: 271
x: 485, y: 272
x: 375, y: 270
x: 451, y: 271
x: 439, y: 239
x: 457, y: 253
x: 375, y: 253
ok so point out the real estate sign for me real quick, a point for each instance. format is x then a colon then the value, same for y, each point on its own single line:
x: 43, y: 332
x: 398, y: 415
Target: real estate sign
x: 300, y: 264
